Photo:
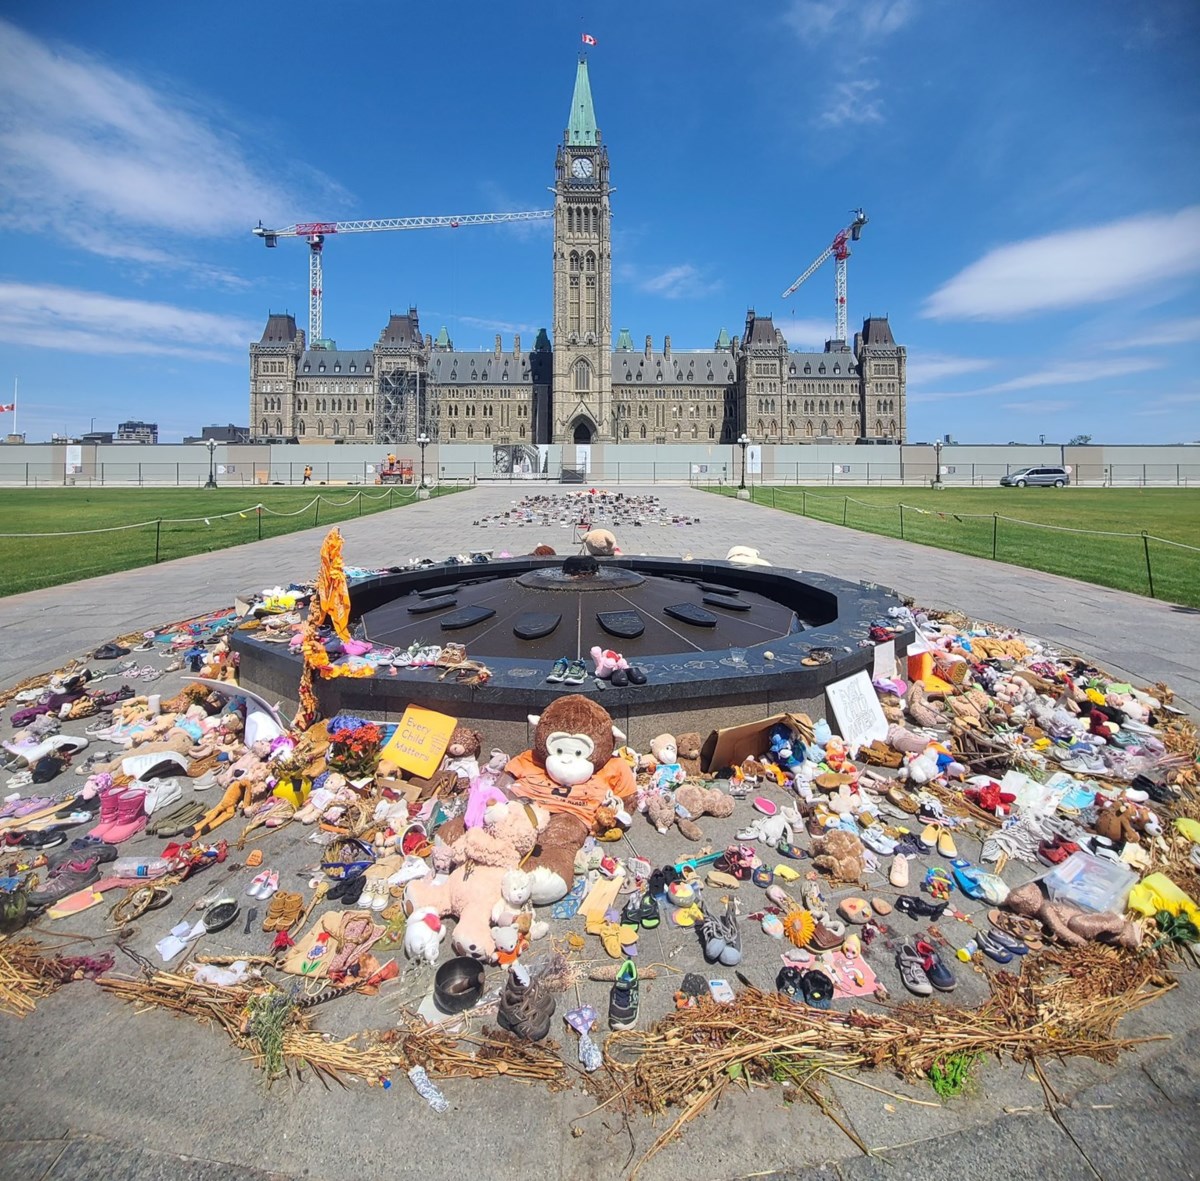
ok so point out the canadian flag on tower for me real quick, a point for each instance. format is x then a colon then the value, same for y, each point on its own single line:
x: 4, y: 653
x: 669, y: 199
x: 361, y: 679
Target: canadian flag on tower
x: 588, y: 39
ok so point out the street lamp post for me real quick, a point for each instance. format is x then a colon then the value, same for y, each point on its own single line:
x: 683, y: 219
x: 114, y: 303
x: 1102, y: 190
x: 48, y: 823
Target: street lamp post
x: 937, y: 464
x: 743, y: 442
x: 211, y: 444
x: 423, y: 441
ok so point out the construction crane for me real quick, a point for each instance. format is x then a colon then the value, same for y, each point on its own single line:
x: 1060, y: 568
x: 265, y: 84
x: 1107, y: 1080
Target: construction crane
x: 839, y: 248
x: 315, y: 232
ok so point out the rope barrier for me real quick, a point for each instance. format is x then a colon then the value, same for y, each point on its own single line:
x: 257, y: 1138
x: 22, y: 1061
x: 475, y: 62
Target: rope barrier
x: 253, y: 508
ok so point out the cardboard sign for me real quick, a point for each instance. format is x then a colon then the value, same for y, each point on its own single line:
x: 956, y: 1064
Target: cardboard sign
x: 884, y: 667
x: 728, y: 747
x: 420, y: 741
x: 857, y: 710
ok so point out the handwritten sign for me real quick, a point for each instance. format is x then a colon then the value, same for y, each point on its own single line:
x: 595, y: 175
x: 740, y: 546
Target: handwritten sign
x: 857, y: 710
x: 419, y: 742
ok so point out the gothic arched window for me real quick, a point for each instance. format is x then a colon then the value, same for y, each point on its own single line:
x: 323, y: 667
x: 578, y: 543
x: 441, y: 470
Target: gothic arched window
x: 583, y: 375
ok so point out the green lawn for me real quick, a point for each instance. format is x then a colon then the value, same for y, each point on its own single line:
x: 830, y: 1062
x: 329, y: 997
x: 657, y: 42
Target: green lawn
x: 973, y: 520
x: 27, y: 562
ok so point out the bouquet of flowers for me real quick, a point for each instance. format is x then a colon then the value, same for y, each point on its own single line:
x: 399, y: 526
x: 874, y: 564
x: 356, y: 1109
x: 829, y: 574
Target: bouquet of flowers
x: 354, y: 747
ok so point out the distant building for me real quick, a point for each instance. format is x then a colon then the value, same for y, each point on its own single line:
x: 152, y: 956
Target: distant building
x: 221, y: 434
x: 137, y: 432
x: 580, y: 387
x: 96, y: 438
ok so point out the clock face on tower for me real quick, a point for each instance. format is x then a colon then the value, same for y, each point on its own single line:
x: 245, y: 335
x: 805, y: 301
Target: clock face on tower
x: 582, y: 167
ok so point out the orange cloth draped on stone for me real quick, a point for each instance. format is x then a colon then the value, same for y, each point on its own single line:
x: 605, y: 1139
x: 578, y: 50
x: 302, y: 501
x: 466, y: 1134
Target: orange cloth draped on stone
x: 582, y: 800
x: 331, y: 601
x: 332, y: 590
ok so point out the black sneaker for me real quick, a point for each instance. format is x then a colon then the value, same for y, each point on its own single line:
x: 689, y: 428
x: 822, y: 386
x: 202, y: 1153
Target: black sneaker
x: 623, y: 999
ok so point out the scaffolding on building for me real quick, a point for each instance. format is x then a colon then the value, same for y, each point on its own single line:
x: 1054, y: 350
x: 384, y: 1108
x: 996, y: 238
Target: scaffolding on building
x: 404, y: 405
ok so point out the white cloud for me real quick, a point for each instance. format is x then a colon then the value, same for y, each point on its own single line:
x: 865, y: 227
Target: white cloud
x: 850, y: 103
x: 925, y: 368
x: 813, y: 20
x: 1047, y: 407
x: 1067, y: 373
x: 78, y: 321
x: 1075, y: 372
x: 498, y: 325
x: 805, y: 335
x: 684, y: 281
x: 1072, y: 268
x: 1182, y: 331
x: 108, y: 157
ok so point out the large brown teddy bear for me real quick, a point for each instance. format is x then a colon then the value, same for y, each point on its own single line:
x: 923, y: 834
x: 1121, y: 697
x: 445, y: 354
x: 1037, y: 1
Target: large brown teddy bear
x: 839, y: 854
x: 482, y: 857
x: 571, y: 772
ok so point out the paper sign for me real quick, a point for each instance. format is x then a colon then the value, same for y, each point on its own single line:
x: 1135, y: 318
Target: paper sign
x: 885, y: 661
x: 420, y: 741
x: 857, y: 710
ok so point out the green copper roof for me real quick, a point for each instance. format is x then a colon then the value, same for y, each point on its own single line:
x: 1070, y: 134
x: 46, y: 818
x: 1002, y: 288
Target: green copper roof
x: 443, y: 338
x: 581, y: 129
x: 723, y: 340
x: 624, y: 342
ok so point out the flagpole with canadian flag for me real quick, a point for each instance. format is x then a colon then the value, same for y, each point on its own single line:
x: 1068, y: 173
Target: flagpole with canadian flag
x: 588, y: 39
x: 12, y: 406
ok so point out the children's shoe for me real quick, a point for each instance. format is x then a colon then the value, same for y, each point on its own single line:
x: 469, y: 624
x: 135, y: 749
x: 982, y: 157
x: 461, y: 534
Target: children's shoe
x: 731, y: 954
x: 623, y: 998
x: 576, y: 673
x: 712, y: 936
x: 558, y: 673
x: 935, y: 970
x: 259, y: 882
x: 912, y: 971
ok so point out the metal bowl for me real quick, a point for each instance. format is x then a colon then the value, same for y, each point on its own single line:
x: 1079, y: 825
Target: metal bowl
x: 458, y: 985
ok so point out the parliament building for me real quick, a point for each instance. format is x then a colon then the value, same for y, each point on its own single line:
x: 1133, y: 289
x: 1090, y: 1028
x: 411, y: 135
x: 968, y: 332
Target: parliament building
x: 576, y: 386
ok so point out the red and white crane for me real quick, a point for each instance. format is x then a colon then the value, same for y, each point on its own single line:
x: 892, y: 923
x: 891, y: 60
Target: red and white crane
x: 839, y: 248
x: 315, y: 232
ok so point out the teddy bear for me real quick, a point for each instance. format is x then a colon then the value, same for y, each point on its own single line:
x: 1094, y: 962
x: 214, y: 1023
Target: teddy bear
x: 839, y: 854
x: 481, y: 857
x: 690, y: 801
x: 462, y: 754
x: 663, y: 763
x: 1115, y: 822
x: 600, y: 543
x: 1069, y: 924
x: 607, y: 661
x: 687, y: 751
x: 920, y: 710
x: 570, y: 771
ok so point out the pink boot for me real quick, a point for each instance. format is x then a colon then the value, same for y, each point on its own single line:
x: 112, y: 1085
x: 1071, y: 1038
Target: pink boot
x: 108, y: 812
x: 131, y: 817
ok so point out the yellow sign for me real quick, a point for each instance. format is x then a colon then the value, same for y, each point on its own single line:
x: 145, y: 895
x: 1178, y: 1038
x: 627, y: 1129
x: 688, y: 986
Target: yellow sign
x: 420, y: 741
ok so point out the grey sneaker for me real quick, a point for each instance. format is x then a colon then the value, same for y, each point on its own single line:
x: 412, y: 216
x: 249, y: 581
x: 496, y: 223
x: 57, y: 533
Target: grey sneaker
x: 712, y: 936
x: 69, y: 877
x: 912, y: 971
x: 576, y: 673
x: 732, y: 952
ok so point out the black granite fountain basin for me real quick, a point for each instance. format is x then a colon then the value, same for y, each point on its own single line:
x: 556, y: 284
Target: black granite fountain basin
x: 719, y: 643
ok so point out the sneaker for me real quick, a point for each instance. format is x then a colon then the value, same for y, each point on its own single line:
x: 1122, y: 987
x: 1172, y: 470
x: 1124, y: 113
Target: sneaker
x: 623, y: 999
x: 558, y: 673
x: 712, y: 936
x: 525, y: 1009
x: 912, y: 971
x: 576, y: 673
x: 82, y: 849
x: 69, y: 877
x: 935, y: 969
x: 731, y: 954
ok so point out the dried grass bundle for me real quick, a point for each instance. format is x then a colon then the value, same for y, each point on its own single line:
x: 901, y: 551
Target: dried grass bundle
x: 1064, y: 1003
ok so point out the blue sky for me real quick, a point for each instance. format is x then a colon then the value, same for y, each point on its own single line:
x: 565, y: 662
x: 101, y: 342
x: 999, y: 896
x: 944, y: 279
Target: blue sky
x: 1030, y: 171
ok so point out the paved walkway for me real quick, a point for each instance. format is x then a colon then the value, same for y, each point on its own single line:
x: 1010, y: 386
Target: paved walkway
x: 1140, y: 638
x: 92, y: 1088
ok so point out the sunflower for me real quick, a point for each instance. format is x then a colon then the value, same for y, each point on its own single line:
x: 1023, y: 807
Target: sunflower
x: 798, y: 926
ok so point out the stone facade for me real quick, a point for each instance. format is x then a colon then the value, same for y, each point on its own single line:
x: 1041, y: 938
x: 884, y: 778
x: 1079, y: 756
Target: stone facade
x: 581, y: 389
